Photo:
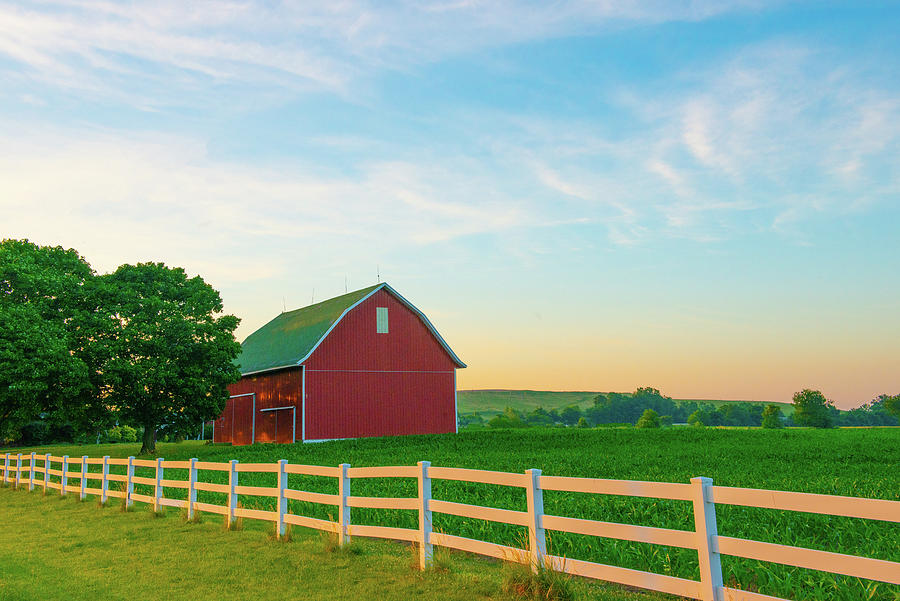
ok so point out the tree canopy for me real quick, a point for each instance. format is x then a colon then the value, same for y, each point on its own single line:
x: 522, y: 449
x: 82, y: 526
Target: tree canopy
x: 173, y: 356
x: 891, y: 404
x: 36, y: 367
x: 145, y: 345
x: 812, y: 409
x: 44, y: 366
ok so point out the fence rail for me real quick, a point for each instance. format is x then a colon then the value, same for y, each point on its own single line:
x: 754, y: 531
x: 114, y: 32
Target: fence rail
x: 21, y: 470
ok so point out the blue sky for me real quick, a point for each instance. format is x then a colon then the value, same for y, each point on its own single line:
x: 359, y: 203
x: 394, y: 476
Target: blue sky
x: 697, y: 196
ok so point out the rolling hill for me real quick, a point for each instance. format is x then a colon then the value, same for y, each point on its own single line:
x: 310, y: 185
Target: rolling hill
x: 492, y: 401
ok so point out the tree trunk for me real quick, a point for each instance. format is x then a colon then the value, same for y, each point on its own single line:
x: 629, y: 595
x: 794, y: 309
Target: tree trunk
x: 148, y: 447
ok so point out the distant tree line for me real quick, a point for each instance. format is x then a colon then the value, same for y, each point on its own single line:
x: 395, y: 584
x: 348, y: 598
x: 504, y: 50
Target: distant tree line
x: 647, y: 407
x: 142, y: 351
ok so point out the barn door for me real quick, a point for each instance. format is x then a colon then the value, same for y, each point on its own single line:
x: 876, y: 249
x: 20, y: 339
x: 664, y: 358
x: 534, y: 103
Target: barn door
x: 278, y: 425
x: 243, y: 420
x: 284, y: 426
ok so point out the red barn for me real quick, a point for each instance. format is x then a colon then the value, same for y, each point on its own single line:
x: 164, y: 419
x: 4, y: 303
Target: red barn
x: 367, y: 363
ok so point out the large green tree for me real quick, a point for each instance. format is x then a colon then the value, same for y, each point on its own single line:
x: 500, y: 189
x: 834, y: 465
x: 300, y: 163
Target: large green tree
x: 45, y: 340
x: 174, y: 350
x: 812, y: 409
x: 37, y: 371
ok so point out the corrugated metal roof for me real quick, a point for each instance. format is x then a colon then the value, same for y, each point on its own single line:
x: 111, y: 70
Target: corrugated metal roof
x: 290, y: 338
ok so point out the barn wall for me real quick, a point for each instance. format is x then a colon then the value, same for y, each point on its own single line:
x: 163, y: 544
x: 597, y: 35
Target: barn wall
x: 361, y: 383
x: 408, y: 345
x: 273, y: 389
x: 354, y: 405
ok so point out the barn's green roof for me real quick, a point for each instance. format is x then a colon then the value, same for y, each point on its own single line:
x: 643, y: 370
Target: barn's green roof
x: 291, y: 336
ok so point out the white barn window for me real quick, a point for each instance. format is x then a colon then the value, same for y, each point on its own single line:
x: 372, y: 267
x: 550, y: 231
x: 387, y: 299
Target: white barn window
x: 381, y: 320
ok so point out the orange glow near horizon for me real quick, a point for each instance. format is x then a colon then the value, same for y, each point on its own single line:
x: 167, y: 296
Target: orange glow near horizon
x: 746, y: 373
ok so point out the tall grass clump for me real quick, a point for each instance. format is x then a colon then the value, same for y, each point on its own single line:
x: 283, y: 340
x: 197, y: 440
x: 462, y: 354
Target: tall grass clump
x: 331, y: 543
x: 285, y: 538
x: 543, y: 584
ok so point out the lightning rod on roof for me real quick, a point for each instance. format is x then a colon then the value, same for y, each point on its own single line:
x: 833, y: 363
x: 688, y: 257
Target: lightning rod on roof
x: 283, y: 305
x: 378, y: 273
x: 312, y: 301
x: 345, y: 285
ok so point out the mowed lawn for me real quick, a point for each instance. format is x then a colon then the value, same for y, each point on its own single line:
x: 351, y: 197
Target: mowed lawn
x: 63, y: 548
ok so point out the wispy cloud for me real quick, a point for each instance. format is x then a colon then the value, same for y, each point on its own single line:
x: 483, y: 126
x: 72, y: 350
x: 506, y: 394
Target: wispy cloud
x: 139, y: 49
x: 147, y: 196
x: 778, y: 130
x: 124, y: 50
x: 781, y: 129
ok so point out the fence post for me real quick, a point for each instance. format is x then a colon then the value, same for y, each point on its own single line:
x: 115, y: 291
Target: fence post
x: 282, y: 500
x: 64, y: 479
x: 18, y: 469
x: 46, y: 472
x: 537, y: 542
x: 129, y: 482
x: 426, y: 551
x: 104, y: 482
x: 158, y: 489
x: 31, y: 474
x: 6, y: 469
x: 711, y: 582
x: 83, y: 494
x: 344, y: 509
x: 232, y: 495
x: 192, y: 488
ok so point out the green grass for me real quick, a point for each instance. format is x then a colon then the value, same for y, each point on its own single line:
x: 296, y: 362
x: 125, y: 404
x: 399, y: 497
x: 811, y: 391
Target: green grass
x: 63, y: 549
x: 853, y: 462
x: 491, y: 402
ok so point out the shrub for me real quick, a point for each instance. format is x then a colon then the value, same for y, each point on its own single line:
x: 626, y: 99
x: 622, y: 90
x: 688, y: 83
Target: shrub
x: 649, y: 419
x: 582, y: 423
x: 121, y: 434
x: 62, y: 432
x: 128, y: 434
x: 33, y: 433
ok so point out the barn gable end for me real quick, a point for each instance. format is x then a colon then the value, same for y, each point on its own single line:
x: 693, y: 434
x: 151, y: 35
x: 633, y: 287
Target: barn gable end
x: 367, y: 363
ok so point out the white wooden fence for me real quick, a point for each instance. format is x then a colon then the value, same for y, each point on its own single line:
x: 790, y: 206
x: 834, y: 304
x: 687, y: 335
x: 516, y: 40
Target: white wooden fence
x: 23, y: 470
